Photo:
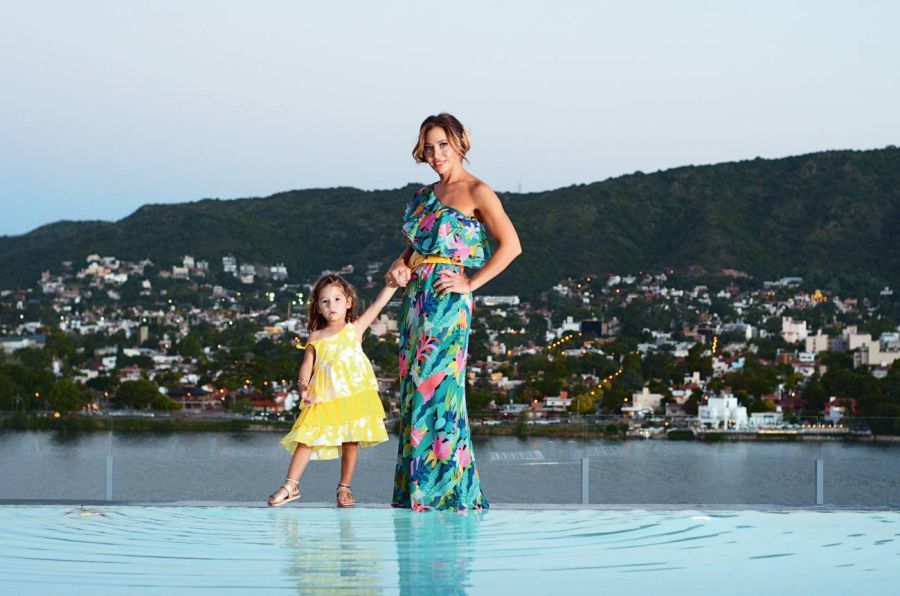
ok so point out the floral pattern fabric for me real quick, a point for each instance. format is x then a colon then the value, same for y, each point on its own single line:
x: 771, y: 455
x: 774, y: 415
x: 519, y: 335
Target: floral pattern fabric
x: 432, y: 228
x: 435, y: 460
x: 346, y: 407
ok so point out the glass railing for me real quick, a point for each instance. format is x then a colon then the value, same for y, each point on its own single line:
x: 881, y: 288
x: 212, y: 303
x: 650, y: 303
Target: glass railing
x: 153, y: 466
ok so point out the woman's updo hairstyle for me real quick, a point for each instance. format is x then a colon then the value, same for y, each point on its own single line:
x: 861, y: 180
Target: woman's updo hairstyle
x: 453, y: 128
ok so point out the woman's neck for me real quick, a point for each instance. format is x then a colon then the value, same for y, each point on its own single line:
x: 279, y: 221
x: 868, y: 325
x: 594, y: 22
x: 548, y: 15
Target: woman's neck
x: 455, y: 175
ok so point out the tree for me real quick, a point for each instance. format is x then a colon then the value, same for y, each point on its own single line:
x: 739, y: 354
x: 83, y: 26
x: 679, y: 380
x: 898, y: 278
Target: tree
x: 67, y: 396
x: 190, y: 347
x: 612, y: 399
x: 164, y: 403
x: 479, y: 399
x: 696, y: 361
x: 584, y: 403
x: 136, y: 394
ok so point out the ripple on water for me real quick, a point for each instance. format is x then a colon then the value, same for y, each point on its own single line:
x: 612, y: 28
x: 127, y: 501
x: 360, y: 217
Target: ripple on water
x: 170, y: 549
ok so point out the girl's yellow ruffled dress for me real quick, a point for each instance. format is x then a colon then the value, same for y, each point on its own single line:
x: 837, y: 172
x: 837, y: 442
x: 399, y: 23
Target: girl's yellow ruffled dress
x: 346, y: 407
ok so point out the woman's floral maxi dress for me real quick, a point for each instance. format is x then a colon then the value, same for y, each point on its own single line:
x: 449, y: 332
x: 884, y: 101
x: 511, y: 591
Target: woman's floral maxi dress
x: 435, y: 460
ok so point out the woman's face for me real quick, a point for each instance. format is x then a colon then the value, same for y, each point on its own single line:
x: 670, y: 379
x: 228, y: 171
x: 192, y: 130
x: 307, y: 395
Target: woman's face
x: 439, y: 153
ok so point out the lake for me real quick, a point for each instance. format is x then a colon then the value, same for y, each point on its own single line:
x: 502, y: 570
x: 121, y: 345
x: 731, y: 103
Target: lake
x: 249, y: 466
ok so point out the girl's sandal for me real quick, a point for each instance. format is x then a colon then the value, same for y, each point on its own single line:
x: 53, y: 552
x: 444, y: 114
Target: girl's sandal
x: 344, y: 496
x: 287, y: 492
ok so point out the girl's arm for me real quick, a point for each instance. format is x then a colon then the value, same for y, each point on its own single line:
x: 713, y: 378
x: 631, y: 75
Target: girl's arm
x: 306, y: 368
x: 366, y: 319
x: 491, y: 212
x: 399, y: 272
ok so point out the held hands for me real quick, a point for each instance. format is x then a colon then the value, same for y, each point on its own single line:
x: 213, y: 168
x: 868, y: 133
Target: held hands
x: 451, y: 281
x: 398, y: 275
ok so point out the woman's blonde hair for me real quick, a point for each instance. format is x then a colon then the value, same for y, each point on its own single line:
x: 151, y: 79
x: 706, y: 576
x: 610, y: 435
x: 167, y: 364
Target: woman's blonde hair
x: 453, y: 128
x: 316, y: 318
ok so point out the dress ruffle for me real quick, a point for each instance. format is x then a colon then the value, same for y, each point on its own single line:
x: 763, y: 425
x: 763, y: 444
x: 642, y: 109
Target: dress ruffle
x: 325, y: 426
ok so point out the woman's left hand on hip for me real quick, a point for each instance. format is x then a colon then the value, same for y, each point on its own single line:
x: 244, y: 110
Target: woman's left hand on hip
x: 451, y: 281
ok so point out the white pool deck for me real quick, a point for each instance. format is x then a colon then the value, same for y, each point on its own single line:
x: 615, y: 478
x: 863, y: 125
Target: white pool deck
x: 313, y: 548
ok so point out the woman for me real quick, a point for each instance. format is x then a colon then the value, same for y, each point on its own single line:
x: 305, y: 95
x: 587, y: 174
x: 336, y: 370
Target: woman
x: 445, y: 226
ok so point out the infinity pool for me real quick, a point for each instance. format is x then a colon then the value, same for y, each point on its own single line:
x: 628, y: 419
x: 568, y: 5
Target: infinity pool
x: 128, y: 549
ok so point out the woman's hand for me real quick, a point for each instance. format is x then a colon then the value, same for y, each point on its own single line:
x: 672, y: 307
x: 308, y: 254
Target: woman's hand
x: 398, y: 275
x: 452, y: 281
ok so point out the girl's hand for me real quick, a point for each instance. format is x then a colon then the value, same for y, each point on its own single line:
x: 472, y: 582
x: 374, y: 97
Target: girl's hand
x: 305, y: 398
x: 398, y: 275
x: 451, y: 281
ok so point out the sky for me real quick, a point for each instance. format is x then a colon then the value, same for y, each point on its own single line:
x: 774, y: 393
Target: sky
x: 107, y: 106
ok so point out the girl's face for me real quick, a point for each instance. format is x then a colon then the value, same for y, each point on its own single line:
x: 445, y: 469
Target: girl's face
x: 333, y: 303
x: 439, y: 153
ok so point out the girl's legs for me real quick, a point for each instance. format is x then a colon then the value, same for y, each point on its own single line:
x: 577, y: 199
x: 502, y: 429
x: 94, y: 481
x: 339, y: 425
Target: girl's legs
x: 298, y: 461
x: 349, y: 456
x: 292, y: 483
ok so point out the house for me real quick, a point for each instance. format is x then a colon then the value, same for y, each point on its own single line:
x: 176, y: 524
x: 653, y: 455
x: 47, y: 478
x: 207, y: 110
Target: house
x: 761, y: 420
x: 497, y: 300
x: 643, y: 403
x: 196, y: 399
x: 817, y: 343
x: 793, y: 331
x: 557, y: 404
x: 11, y: 344
x: 278, y: 272
x: 838, y: 407
x: 722, y: 413
x: 512, y: 409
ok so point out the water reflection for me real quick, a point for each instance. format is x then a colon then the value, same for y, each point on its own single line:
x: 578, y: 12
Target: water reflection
x: 435, y: 550
x: 329, y: 557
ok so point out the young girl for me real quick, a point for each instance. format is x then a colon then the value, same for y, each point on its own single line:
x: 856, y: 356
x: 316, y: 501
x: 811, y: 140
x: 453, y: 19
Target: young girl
x: 338, y: 390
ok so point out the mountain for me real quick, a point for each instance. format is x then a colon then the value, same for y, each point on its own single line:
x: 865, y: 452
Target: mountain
x: 827, y: 216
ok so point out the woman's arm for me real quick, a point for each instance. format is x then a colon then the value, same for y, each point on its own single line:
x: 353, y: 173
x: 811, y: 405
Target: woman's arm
x: 491, y: 212
x: 365, y: 320
x: 306, y: 367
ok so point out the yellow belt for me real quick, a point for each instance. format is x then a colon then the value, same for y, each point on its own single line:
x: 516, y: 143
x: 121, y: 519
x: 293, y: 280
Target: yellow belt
x: 418, y: 259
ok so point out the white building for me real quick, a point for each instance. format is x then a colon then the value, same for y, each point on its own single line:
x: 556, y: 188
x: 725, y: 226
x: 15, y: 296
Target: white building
x: 722, y: 412
x: 279, y: 272
x: 817, y: 343
x: 643, y: 403
x: 793, y: 331
x: 497, y: 300
x: 767, y: 419
x: 556, y: 403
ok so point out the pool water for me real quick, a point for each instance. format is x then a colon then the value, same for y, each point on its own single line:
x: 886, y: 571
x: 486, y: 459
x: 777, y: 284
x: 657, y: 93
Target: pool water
x: 129, y: 549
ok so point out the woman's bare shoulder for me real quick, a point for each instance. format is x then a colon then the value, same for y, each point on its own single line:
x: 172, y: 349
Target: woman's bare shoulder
x: 481, y: 192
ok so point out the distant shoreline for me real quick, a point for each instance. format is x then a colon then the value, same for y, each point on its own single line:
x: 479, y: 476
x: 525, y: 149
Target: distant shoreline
x: 139, y: 424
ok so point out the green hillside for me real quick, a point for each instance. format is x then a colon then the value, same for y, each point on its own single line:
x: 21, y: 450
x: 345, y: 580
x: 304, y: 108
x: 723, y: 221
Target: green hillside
x: 826, y: 216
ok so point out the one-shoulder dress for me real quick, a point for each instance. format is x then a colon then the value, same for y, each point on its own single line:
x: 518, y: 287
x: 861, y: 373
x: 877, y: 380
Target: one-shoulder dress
x: 346, y: 407
x: 435, y: 459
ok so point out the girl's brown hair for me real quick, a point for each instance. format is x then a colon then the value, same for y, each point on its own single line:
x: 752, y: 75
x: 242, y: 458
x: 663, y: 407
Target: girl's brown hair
x: 316, y: 318
x: 453, y: 128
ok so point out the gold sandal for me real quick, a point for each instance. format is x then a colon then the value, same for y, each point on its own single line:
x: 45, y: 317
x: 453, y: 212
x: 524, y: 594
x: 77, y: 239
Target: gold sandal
x: 291, y: 488
x: 343, y: 490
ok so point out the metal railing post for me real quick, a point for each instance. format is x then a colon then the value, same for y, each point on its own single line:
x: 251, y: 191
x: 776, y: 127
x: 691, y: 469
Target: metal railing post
x: 820, y: 482
x: 585, y: 480
x: 109, y: 469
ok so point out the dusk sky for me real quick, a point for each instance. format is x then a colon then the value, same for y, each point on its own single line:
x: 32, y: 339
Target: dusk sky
x: 106, y: 106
